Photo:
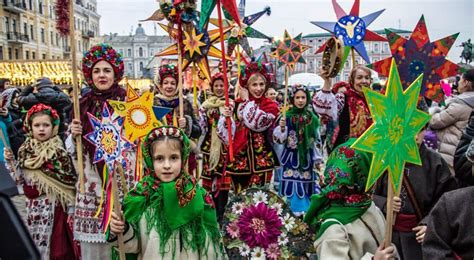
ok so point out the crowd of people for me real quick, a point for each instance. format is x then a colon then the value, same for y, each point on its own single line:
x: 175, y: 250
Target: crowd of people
x: 303, y: 153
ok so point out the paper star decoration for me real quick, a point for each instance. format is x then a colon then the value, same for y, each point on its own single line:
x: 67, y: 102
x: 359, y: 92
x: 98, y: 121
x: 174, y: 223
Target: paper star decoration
x: 207, y: 6
x: 140, y: 116
x: 352, y: 29
x: 108, y: 139
x: 193, y: 54
x: 392, y: 137
x: 418, y: 55
x: 290, y: 51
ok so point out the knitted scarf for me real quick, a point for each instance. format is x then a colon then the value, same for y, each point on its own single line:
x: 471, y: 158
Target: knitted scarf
x: 306, y: 124
x: 216, y: 144
x: 178, y: 206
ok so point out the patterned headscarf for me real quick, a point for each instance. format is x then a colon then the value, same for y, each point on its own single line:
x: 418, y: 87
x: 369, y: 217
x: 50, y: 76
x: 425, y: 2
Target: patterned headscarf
x: 102, y: 52
x: 47, y: 163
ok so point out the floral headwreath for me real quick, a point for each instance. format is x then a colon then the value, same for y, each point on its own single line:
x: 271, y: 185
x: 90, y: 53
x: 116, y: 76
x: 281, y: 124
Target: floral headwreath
x: 252, y: 68
x: 98, y: 53
x: 296, y: 88
x: 217, y: 76
x: 44, y: 109
x: 166, y: 70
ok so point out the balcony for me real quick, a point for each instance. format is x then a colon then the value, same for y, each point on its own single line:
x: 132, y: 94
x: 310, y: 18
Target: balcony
x: 87, y: 34
x: 17, y: 37
x: 67, y: 49
x: 14, y: 6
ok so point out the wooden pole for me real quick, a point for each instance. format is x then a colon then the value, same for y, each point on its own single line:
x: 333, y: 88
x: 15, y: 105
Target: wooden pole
x: 180, y: 82
x: 77, y: 112
x: 353, y: 58
x: 118, y: 210
x: 285, y: 102
x: 236, y: 90
x: 391, y: 216
x: 226, y: 81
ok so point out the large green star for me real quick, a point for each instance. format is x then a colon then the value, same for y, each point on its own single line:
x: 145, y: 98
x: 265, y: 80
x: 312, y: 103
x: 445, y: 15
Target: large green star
x: 392, y: 137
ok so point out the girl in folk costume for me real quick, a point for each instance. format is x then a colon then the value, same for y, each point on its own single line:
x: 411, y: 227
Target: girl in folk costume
x: 299, y: 132
x: 103, y: 68
x: 214, y: 179
x: 168, y: 215
x: 48, y: 183
x: 254, y: 158
x: 348, y: 109
x: 167, y: 81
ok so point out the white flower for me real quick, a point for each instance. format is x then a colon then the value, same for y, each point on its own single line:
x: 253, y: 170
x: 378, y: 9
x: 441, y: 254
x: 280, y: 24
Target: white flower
x: 244, y: 250
x: 282, y: 239
x: 288, y: 222
x: 277, y: 208
x: 238, y: 208
x: 258, y: 253
x: 259, y: 196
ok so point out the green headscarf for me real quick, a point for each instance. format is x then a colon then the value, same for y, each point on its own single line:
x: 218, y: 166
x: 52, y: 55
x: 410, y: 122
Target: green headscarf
x: 343, y: 197
x: 304, y: 122
x: 177, y: 206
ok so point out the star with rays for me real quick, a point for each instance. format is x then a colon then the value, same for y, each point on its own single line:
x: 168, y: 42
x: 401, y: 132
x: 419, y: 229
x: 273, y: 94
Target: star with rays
x: 392, y: 137
x: 140, y: 116
x: 418, y: 55
x: 290, y: 51
x: 194, y: 54
x: 352, y: 29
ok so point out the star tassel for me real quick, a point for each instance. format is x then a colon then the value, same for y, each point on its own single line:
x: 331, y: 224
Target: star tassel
x: 392, y: 137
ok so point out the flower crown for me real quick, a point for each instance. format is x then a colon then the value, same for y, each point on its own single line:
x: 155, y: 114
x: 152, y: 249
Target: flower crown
x: 98, y: 53
x: 217, y: 76
x: 40, y: 108
x: 252, y: 68
x: 167, y: 70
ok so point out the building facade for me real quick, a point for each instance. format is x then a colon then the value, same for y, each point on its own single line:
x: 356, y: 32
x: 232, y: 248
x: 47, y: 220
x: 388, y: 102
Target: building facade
x: 28, y: 30
x: 138, y: 51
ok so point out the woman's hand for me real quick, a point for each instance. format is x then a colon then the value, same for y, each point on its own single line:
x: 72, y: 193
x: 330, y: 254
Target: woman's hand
x: 182, y: 123
x: 76, y: 128
x: 420, y: 233
x: 117, y: 224
x: 397, y: 204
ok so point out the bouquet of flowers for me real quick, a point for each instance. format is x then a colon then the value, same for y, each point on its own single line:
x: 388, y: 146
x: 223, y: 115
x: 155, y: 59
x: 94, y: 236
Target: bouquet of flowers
x: 259, y: 225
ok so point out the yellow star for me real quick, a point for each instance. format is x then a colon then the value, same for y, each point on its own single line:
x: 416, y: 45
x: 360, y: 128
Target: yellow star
x: 139, y: 112
x: 193, y: 43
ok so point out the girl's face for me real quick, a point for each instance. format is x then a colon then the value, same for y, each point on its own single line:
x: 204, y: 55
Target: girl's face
x: 256, y: 86
x: 300, y: 99
x: 218, y: 88
x: 103, y: 75
x: 361, y: 79
x: 42, y: 127
x: 169, y: 86
x: 271, y: 94
x: 167, y: 159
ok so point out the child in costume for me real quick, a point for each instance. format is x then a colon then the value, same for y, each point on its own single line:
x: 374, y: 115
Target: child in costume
x: 298, y: 132
x: 422, y: 187
x: 214, y: 151
x: 348, y: 224
x: 103, y: 69
x: 254, y: 158
x: 166, y: 79
x: 49, y: 182
x: 347, y: 113
x: 168, y: 215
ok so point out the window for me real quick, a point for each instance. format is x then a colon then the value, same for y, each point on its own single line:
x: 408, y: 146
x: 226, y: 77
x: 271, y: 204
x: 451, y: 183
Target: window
x: 27, y: 55
x: 140, y: 52
x: 17, y: 54
x: 33, y: 55
x: 52, y: 37
x: 385, y: 48
x: 1, y: 52
x: 14, y: 25
x: 141, y: 66
x: 42, y: 35
x: 130, y: 67
x: 7, y: 25
x: 44, y: 56
x: 376, y: 48
x: 30, y: 4
x: 79, y: 45
x: 9, y: 53
x: 40, y: 7
x: 32, y: 33
x: 57, y: 39
x: 25, y: 28
x: 129, y: 52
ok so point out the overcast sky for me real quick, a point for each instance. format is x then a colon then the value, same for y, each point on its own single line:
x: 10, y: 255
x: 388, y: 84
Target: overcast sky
x: 443, y: 17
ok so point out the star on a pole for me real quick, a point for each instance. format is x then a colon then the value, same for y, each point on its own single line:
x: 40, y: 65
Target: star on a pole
x: 392, y: 137
x: 193, y: 43
x: 290, y: 51
x: 140, y: 116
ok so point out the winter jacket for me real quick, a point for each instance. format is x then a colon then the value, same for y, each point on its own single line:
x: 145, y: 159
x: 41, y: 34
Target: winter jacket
x: 450, y: 122
x: 463, y: 168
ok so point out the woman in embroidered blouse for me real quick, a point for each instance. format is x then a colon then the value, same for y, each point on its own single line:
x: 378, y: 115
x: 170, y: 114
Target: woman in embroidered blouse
x: 254, y: 158
x: 347, y: 111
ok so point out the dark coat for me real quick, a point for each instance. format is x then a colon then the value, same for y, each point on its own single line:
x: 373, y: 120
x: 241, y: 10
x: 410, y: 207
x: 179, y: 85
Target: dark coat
x: 463, y: 168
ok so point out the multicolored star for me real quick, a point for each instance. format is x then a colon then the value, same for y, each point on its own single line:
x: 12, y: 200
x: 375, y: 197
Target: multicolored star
x: 290, y: 51
x: 392, y: 137
x: 418, y: 55
x: 352, y: 29
x: 193, y: 43
x: 140, y: 116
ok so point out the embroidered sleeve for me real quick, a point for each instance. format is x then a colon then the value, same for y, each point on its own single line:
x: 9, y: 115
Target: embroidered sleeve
x: 70, y: 145
x: 253, y: 117
x: 222, y: 131
x: 326, y: 104
x: 280, y: 136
